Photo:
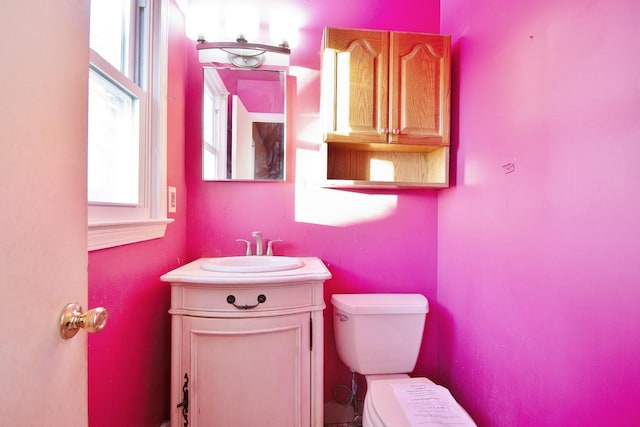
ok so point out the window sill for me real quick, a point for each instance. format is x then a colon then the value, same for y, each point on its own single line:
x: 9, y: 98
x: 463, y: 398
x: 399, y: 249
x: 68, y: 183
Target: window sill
x: 103, y: 235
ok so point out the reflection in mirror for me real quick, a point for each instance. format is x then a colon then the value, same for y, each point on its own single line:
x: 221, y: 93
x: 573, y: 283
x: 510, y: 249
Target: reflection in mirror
x: 243, y: 124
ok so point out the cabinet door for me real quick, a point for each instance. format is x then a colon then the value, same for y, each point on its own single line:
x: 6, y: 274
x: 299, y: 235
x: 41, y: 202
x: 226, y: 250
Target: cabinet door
x: 355, y: 85
x: 419, y: 88
x: 247, y: 372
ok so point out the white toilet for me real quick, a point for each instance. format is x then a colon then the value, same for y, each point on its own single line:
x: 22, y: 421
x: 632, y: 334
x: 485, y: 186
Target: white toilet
x: 379, y: 336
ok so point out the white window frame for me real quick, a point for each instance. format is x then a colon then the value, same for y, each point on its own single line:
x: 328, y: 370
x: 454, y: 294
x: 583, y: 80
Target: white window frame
x: 111, y: 226
x: 216, y: 142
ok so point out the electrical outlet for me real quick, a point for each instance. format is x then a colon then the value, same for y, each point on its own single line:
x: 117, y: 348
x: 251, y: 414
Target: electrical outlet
x: 172, y: 199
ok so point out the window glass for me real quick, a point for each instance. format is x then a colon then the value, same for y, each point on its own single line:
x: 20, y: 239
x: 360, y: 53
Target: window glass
x: 116, y: 103
x: 210, y: 159
x: 110, y: 31
x: 113, y: 152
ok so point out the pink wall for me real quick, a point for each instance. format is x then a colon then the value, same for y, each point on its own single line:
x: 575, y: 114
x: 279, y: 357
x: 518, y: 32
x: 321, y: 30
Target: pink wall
x: 534, y: 318
x: 129, y: 359
x: 372, y: 242
x: 538, y: 269
x: 262, y: 93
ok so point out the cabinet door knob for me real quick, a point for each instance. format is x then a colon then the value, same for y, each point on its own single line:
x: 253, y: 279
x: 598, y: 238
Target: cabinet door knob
x: 396, y: 131
x: 385, y: 131
x: 72, y: 319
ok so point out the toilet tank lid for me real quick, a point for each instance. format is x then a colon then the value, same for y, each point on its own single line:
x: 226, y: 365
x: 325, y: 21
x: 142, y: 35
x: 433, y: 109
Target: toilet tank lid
x: 381, y: 303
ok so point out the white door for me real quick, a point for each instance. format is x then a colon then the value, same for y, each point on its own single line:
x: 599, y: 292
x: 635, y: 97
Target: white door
x: 43, y: 238
x: 241, y: 141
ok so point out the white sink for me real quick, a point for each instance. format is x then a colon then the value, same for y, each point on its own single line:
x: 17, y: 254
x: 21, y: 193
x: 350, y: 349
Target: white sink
x: 251, y: 264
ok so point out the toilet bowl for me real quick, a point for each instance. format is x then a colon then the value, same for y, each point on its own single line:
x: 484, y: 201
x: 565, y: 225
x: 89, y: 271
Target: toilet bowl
x: 379, y: 336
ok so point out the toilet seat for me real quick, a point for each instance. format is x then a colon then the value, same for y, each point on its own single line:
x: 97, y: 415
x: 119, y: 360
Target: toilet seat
x: 409, y: 402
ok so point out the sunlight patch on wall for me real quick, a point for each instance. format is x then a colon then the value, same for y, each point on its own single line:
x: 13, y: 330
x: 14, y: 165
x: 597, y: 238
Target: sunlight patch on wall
x: 381, y: 170
x: 305, y: 77
x: 308, y: 133
x: 324, y: 206
x: 317, y: 205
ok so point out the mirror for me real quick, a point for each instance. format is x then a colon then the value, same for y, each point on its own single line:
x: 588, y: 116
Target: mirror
x: 243, y: 124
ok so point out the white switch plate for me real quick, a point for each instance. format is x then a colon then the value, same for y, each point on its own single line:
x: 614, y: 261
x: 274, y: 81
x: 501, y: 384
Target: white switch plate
x: 172, y: 199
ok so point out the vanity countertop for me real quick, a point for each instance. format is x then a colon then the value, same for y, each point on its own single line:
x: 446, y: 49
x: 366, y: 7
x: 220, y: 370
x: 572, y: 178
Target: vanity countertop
x: 313, y: 270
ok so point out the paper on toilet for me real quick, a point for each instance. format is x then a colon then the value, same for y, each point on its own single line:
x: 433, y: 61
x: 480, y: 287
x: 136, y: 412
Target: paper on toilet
x: 430, y: 404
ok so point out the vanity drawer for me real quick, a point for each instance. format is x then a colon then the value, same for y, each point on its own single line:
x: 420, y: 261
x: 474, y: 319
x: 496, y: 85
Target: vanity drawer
x: 207, y: 300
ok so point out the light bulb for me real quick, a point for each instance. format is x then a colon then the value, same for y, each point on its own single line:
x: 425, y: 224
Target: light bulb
x: 283, y: 27
x: 242, y: 22
x: 201, y: 22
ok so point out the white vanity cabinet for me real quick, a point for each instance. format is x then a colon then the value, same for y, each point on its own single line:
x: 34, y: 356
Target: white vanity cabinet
x: 247, y: 348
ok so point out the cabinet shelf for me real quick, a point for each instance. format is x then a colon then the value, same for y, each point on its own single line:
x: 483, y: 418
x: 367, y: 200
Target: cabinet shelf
x: 364, y: 167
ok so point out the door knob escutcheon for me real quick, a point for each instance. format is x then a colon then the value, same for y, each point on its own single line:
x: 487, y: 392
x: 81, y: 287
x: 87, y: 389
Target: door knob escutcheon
x: 72, y: 319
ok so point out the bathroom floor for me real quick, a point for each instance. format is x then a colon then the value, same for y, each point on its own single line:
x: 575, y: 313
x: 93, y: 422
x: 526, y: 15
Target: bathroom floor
x: 350, y: 424
x: 339, y: 415
x: 345, y: 424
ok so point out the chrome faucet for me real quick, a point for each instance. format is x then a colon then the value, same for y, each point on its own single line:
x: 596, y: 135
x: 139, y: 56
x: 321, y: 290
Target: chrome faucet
x: 258, y: 236
x: 248, y: 243
x: 270, y: 246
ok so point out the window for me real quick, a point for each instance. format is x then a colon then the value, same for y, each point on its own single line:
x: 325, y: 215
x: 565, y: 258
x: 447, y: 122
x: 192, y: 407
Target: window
x: 126, y: 178
x: 214, y: 134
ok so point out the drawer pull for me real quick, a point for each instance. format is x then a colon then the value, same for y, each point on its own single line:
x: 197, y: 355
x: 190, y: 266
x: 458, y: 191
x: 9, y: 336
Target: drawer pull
x: 232, y: 300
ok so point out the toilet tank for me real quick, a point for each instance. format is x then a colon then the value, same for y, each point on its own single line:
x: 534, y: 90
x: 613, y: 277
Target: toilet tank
x: 379, y: 333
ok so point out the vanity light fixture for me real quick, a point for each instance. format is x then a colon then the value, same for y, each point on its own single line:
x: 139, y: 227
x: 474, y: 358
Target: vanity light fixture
x: 243, y: 54
x: 242, y: 23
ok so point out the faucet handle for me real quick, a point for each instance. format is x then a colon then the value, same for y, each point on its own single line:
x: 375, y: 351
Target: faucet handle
x: 248, y: 243
x: 270, y: 246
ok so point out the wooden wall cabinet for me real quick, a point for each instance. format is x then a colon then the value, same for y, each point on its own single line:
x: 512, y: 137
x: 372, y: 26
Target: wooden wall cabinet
x: 386, y: 107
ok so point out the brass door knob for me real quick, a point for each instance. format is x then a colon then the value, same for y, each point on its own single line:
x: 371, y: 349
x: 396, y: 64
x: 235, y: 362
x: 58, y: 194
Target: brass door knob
x: 72, y: 319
